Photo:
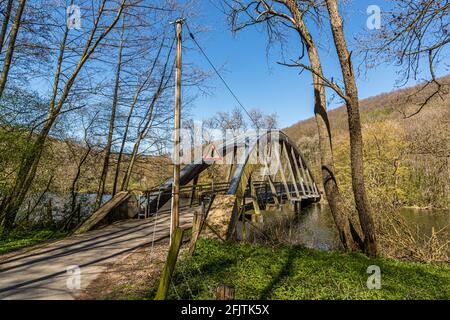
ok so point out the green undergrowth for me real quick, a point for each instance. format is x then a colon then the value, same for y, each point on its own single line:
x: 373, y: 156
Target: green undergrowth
x: 296, y: 273
x: 19, y: 240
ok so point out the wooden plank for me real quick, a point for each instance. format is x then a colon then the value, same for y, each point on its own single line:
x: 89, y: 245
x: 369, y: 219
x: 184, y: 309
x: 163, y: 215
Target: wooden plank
x: 169, y: 267
x: 273, y: 190
x: 101, y: 213
x: 269, y: 177
x: 224, y: 292
x: 314, y: 186
x: 305, y: 175
x: 193, y: 192
x: 311, y: 182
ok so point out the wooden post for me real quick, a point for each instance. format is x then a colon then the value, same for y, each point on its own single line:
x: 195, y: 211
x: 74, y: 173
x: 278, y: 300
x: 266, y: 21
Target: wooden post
x: 169, y: 267
x: 175, y: 217
x: 224, y: 292
x: 196, y: 229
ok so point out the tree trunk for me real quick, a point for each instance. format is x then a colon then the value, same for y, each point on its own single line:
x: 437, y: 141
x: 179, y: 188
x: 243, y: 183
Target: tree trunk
x: 12, y: 202
x: 354, y: 121
x: 5, y: 23
x: 127, y: 177
x: 148, y: 119
x: 11, y: 46
x: 348, y: 239
x: 130, y: 114
x: 102, y: 183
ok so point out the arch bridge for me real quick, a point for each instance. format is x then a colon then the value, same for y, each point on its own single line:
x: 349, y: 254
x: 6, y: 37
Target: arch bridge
x: 256, y: 172
x: 262, y: 171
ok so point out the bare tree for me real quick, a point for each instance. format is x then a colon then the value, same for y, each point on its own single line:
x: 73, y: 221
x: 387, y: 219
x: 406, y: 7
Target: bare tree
x: 354, y: 121
x: 151, y: 117
x: 11, y: 45
x: 60, y: 93
x: 107, y: 149
x: 5, y: 23
x: 140, y: 89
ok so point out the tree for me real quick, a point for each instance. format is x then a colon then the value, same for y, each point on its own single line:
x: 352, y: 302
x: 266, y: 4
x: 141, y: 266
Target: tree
x: 5, y: 23
x: 261, y: 121
x: 354, y: 121
x: 29, y: 163
x: 151, y: 116
x: 11, y: 44
x: 141, y: 86
x: 107, y: 149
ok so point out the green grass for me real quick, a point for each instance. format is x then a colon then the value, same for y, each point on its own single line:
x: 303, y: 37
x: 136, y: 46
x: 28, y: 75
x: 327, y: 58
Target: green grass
x: 295, y: 273
x: 20, y: 240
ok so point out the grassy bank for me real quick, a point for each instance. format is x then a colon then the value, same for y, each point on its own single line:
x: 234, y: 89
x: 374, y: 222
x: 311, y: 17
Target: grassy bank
x: 19, y: 240
x: 299, y: 273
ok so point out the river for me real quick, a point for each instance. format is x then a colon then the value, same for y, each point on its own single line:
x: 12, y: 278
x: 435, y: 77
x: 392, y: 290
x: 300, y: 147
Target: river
x: 314, y: 226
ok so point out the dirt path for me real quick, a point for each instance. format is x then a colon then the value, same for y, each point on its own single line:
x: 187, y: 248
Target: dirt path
x: 42, y: 273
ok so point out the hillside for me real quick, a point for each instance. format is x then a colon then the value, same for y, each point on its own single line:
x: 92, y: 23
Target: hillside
x: 385, y: 106
x: 407, y: 156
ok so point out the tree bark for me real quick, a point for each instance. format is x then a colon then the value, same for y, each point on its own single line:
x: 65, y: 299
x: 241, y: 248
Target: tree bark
x: 354, y: 121
x: 11, y: 46
x: 5, y: 23
x: 334, y: 197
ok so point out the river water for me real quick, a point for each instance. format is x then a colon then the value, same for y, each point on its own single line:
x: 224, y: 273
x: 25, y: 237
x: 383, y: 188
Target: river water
x: 314, y: 226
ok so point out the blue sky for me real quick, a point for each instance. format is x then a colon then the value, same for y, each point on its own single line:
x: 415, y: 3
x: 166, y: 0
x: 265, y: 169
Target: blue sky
x: 257, y: 79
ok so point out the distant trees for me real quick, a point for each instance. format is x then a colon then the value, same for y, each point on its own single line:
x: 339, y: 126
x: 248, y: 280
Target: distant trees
x: 237, y: 122
x: 60, y: 92
x: 413, y: 37
x: 118, y: 66
x: 261, y: 121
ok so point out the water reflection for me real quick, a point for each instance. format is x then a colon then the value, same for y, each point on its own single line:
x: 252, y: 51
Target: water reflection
x: 314, y: 226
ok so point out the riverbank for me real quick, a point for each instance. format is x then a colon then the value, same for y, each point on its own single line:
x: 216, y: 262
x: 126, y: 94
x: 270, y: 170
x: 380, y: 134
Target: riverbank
x: 20, y: 240
x: 293, y: 273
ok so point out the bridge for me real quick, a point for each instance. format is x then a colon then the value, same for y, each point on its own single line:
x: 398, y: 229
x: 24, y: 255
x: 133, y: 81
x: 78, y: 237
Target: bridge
x: 263, y: 170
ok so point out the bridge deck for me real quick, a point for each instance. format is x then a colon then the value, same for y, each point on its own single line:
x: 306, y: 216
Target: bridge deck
x: 41, y: 273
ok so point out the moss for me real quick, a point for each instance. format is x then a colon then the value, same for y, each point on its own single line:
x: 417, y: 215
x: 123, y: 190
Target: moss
x: 295, y: 273
x: 20, y: 240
